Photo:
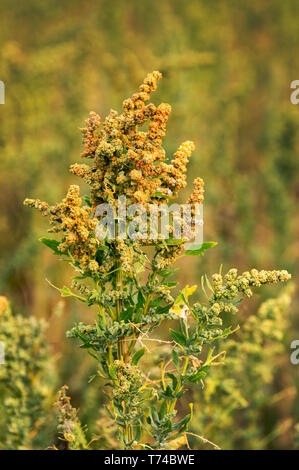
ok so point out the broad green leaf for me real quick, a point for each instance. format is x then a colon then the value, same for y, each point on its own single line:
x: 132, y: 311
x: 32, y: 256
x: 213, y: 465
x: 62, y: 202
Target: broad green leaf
x: 53, y: 244
x: 137, y: 356
x: 126, y: 314
x: 160, y: 194
x: 178, y: 337
x: 199, y: 249
x: 199, y: 375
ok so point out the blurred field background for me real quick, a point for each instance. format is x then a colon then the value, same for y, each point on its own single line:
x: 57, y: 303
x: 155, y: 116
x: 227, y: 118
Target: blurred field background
x: 227, y: 70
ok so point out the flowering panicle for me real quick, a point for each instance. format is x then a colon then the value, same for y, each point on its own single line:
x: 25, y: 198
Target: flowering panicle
x: 125, y: 162
x: 69, y: 425
x: 231, y: 285
x: 128, y: 161
x: 90, y: 136
x: 197, y: 195
x: 76, y: 224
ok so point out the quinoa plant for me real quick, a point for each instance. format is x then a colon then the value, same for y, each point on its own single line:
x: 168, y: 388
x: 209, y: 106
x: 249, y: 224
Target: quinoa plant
x: 248, y: 397
x: 27, y: 381
x: 128, y: 279
x: 69, y: 426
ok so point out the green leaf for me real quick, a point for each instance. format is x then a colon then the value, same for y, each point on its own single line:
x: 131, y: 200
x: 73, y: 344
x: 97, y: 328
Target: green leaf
x: 95, y: 357
x: 173, y: 379
x: 199, y: 375
x: 138, y: 433
x: 66, y: 292
x: 137, y: 356
x: 181, y: 425
x: 163, y: 409
x: 199, y: 249
x: 174, y: 241
x: 53, y: 244
x: 168, y: 392
x: 112, y: 371
x: 175, y: 359
x: 178, y: 337
x: 154, y: 414
x: 109, y: 412
x: 102, y: 248
x: 162, y: 310
x: 209, y: 284
x: 140, y: 300
x: 180, y: 394
x: 87, y: 200
x: 225, y: 333
x: 126, y: 314
x: 169, y: 284
x: 159, y: 194
x: 167, y: 272
x: 91, y: 378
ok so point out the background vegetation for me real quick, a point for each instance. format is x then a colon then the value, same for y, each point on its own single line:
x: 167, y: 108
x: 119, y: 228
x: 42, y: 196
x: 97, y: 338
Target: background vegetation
x: 227, y: 70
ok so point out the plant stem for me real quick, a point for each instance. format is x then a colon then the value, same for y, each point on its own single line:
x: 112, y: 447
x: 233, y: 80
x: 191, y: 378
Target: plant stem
x: 118, y: 285
x: 179, y: 385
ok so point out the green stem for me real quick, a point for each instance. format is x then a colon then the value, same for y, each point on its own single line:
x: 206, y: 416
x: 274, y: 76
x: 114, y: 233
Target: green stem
x: 179, y: 385
x: 148, y: 299
x: 118, y: 285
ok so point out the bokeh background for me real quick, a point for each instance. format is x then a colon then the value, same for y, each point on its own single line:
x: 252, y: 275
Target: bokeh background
x: 227, y: 70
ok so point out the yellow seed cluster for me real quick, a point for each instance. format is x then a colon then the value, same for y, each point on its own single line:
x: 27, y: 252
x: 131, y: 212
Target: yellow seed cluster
x: 197, y: 195
x: 75, y: 222
x: 90, y: 137
x: 130, y: 162
x: 125, y: 161
x: 229, y: 286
